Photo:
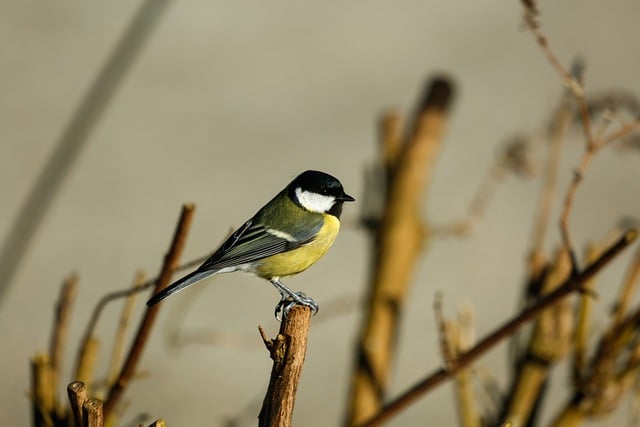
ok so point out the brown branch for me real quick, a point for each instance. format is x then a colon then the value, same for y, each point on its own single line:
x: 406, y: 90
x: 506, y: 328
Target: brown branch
x: 399, y: 242
x: 92, y: 414
x: 123, y: 293
x: 572, y: 284
x: 61, y: 326
x: 158, y: 423
x: 288, y: 350
x: 144, y: 330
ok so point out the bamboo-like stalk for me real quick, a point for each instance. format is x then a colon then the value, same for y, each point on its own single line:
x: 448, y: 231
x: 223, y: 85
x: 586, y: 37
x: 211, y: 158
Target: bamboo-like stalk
x: 583, y: 321
x: 144, y: 330
x: 42, y: 392
x: 77, y: 396
x: 399, y: 242
x: 288, y: 350
x: 87, y: 360
x: 549, y: 343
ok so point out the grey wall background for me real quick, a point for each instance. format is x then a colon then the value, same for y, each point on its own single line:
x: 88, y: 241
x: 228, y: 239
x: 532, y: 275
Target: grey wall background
x: 227, y: 102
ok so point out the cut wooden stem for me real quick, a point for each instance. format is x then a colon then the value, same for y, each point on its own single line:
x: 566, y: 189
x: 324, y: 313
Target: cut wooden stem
x: 77, y: 396
x: 144, y: 330
x: 92, y: 414
x: 288, y: 350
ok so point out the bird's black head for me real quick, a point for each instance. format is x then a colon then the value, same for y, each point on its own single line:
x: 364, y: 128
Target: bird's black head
x: 318, y: 192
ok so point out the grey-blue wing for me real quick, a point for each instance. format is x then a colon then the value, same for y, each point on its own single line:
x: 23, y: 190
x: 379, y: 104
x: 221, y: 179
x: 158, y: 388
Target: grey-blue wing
x: 253, y: 242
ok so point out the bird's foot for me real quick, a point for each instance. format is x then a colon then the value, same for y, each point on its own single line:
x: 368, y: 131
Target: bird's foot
x: 288, y: 301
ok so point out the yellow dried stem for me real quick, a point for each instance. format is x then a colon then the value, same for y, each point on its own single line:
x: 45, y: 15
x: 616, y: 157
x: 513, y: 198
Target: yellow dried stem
x: 550, y: 341
x: 119, y: 340
x: 399, y: 242
x: 42, y: 392
x: 462, y: 339
x: 60, y: 328
x: 87, y: 360
x: 584, y: 318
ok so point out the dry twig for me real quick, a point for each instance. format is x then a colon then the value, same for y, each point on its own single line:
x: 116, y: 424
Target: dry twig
x: 572, y: 284
x: 60, y: 328
x: 288, y: 350
x: 170, y: 263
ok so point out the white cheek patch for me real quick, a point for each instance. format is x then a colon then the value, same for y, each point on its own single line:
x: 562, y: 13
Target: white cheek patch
x: 314, y: 202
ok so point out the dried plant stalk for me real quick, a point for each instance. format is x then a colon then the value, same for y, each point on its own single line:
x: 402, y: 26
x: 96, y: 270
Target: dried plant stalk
x: 77, y: 396
x: 549, y: 343
x: 158, y: 423
x: 573, y: 283
x: 288, y: 350
x: 118, y: 342
x: 399, y: 242
x: 462, y: 334
x: 42, y: 392
x: 170, y: 264
x: 87, y: 360
x: 61, y: 326
x: 92, y: 414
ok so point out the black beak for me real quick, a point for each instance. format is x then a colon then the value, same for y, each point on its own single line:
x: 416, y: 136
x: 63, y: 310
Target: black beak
x: 345, y: 198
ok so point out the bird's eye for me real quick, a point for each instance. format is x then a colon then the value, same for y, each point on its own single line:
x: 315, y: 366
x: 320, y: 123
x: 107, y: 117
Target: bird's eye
x: 324, y: 190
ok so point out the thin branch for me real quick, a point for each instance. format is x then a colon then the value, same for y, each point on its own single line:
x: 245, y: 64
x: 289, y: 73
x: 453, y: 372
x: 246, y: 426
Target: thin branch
x: 118, y: 342
x: 572, y: 284
x: 144, y: 330
x: 61, y: 326
x: 288, y: 352
x: 123, y: 293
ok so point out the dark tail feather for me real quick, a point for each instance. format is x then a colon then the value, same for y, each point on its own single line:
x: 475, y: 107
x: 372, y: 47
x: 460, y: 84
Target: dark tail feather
x: 179, y: 285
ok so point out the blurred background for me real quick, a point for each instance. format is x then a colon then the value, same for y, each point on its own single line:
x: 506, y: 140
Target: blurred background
x: 225, y: 103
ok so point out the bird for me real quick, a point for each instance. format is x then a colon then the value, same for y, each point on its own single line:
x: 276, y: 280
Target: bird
x: 285, y: 237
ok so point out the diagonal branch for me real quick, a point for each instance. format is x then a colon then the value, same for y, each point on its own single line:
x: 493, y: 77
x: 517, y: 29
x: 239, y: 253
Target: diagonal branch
x: 574, y: 283
x: 144, y: 330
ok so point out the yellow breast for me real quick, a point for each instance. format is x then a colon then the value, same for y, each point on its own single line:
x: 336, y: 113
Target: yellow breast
x: 298, y: 260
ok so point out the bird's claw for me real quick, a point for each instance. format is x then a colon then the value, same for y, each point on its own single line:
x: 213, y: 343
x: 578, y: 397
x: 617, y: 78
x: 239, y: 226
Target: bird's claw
x: 287, y: 302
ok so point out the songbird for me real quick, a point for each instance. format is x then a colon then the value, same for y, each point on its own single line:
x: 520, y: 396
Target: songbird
x: 285, y: 237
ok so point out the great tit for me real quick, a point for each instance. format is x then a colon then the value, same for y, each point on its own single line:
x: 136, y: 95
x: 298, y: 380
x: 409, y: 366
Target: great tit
x: 287, y: 235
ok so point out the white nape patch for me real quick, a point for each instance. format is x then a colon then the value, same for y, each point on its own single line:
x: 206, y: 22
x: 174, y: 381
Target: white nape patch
x: 313, y: 201
x: 281, y: 234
